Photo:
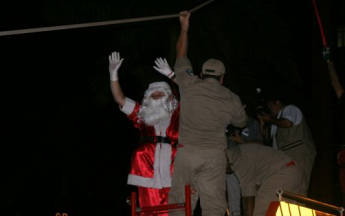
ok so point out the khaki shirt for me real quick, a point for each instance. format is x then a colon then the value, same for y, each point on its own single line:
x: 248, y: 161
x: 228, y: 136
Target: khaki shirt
x: 206, y: 109
x: 296, y: 141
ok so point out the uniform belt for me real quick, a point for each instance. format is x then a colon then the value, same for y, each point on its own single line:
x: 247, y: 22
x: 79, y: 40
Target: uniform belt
x: 153, y: 139
x: 291, y: 163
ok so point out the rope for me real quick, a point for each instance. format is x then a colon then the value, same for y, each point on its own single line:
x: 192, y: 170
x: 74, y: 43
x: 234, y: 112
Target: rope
x: 75, y: 26
x: 200, y: 6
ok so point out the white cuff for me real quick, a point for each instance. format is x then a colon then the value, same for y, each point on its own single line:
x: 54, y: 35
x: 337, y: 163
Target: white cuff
x: 128, y: 107
x: 113, y: 76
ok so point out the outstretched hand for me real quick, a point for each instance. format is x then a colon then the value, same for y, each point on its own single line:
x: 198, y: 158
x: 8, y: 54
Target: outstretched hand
x: 114, y: 64
x: 163, y: 67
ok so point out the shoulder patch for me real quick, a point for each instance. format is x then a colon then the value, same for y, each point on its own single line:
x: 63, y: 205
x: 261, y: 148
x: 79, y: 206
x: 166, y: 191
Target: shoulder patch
x: 189, y: 72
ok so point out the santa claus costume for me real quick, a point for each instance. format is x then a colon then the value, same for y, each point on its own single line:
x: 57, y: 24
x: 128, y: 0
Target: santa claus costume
x: 153, y: 159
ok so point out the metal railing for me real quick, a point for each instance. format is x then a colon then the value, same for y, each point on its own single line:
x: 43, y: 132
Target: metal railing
x: 281, y: 193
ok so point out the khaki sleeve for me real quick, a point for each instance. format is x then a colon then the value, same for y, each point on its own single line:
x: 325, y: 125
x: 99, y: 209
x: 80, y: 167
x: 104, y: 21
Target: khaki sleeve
x: 184, y: 73
x: 239, y: 118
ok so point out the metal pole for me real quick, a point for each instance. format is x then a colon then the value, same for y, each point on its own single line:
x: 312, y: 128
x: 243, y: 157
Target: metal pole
x: 188, y: 208
x: 134, y: 204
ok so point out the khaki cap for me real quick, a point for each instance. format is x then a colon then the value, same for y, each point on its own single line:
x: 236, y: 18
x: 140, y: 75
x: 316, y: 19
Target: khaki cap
x: 213, y: 67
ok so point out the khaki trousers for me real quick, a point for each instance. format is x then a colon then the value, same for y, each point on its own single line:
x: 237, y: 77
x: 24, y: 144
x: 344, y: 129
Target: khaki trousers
x: 288, y: 179
x: 204, y: 171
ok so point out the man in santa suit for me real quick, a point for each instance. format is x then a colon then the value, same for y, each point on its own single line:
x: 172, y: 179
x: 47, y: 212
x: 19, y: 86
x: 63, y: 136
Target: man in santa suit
x: 157, y: 120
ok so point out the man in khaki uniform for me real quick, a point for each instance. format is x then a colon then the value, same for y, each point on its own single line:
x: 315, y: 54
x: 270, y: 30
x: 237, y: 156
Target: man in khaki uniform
x: 261, y: 170
x: 291, y: 134
x: 206, y: 108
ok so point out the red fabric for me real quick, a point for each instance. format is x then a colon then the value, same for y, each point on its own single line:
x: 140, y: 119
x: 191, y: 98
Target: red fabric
x: 291, y: 163
x: 143, y: 156
x: 153, y: 197
x: 142, y: 161
x: 341, y: 163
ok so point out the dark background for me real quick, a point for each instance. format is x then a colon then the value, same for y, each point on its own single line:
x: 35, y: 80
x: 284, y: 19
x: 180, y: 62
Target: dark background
x: 66, y: 147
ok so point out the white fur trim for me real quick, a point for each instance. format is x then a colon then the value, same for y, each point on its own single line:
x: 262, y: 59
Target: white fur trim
x: 162, y: 177
x: 162, y: 85
x: 128, y: 107
x: 157, y: 86
x: 165, y: 161
x: 140, y: 181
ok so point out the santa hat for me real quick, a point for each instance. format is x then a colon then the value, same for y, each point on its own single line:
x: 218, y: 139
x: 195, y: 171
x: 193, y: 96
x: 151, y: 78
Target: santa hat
x: 158, y: 86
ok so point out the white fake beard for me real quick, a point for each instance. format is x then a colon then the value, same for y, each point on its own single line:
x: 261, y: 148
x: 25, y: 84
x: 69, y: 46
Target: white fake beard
x: 153, y: 111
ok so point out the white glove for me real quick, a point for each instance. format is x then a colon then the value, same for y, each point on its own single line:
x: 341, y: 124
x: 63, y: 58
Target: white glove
x: 163, y: 67
x: 114, y: 65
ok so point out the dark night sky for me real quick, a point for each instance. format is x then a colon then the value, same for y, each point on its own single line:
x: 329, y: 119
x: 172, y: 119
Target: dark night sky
x: 65, y: 143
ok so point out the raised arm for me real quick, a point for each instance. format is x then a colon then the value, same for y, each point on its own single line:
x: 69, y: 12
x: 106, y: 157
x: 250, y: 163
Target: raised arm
x: 182, y: 42
x: 163, y: 67
x: 114, y: 65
